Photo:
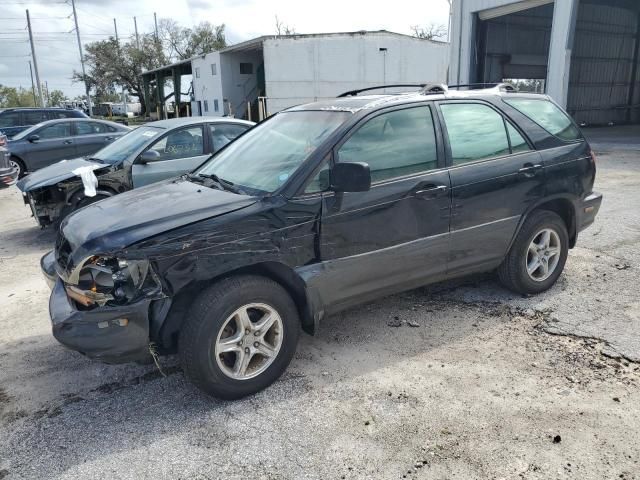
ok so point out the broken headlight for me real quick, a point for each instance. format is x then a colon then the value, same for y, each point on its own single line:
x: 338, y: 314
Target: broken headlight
x: 108, y: 279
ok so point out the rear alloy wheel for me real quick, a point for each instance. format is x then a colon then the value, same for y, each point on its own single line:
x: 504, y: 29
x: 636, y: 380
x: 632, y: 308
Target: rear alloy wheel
x: 538, y: 254
x: 239, y: 336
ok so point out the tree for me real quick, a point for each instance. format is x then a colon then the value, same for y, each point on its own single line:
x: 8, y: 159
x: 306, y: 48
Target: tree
x: 56, y: 97
x: 284, y: 29
x: 432, y: 31
x: 15, y: 97
x: 181, y: 43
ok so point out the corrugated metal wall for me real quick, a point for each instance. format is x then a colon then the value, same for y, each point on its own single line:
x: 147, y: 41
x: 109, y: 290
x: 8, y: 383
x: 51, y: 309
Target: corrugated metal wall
x: 602, y: 64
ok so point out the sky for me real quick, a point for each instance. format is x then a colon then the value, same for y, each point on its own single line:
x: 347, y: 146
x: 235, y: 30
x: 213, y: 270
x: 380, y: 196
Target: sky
x: 57, y: 49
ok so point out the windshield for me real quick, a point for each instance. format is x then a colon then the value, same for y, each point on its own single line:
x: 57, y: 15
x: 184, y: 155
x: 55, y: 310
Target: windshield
x: 265, y: 157
x: 126, y: 145
x: 27, y: 132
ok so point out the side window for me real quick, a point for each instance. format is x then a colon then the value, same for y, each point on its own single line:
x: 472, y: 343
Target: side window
x: 183, y: 143
x: 11, y: 119
x: 34, y: 116
x: 320, y: 181
x: 547, y: 115
x: 475, y: 132
x: 221, y: 134
x: 246, y: 68
x: 394, y: 144
x: 91, y: 128
x: 57, y: 130
x: 518, y: 144
x: 61, y: 114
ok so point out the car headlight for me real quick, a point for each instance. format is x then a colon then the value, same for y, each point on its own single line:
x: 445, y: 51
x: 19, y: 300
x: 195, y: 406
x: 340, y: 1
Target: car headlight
x: 107, y: 279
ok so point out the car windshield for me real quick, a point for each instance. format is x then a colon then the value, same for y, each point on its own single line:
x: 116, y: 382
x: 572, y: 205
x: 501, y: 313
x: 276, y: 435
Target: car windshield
x: 126, y: 145
x: 27, y: 132
x: 265, y: 157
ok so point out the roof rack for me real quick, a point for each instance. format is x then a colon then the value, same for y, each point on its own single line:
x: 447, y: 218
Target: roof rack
x: 499, y: 86
x: 353, y: 93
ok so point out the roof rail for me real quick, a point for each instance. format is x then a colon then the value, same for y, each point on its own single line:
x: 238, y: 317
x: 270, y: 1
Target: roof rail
x: 499, y: 86
x: 434, y: 88
x: 353, y: 93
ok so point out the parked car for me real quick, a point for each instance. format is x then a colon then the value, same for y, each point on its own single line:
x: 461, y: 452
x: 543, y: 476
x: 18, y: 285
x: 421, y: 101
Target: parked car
x: 49, y: 142
x: 150, y: 153
x: 8, y: 173
x: 15, y: 120
x: 319, y: 208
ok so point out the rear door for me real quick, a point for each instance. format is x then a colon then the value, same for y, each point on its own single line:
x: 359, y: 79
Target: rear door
x: 495, y: 176
x: 181, y: 151
x: 395, y: 235
x: 92, y: 136
x: 56, y: 142
x: 223, y: 133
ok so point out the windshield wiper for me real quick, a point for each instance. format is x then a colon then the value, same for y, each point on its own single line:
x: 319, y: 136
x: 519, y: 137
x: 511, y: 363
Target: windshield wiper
x: 225, y: 184
x: 95, y: 159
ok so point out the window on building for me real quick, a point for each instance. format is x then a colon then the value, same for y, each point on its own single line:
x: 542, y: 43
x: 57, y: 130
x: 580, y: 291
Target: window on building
x: 475, y: 132
x: 206, y: 105
x: 246, y: 68
x: 394, y: 144
x: 197, y: 72
x: 547, y: 115
x: 214, y: 69
x: 215, y: 105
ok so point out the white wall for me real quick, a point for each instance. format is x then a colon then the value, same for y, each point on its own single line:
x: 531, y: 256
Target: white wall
x: 207, y: 87
x: 306, y: 69
x: 238, y: 87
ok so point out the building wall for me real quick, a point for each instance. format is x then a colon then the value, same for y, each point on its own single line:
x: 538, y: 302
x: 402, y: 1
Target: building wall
x: 305, y: 69
x: 239, y: 87
x: 207, y: 87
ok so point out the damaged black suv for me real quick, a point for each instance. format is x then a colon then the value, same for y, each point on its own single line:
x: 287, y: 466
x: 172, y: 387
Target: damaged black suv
x: 321, y: 207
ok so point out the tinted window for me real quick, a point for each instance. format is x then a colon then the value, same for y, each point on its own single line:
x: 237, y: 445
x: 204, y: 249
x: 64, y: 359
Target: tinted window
x: 34, y: 116
x: 11, y: 119
x: 547, y: 115
x: 394, y: 144
x: 183, y: 143
x: 475, y: 132
x: 319, y: 182
x: 62, y: 114
x: 57, y: 130
x: 246, y: 68
x: 518, y: 143
x: 92, y: 128
x: 221, y: 134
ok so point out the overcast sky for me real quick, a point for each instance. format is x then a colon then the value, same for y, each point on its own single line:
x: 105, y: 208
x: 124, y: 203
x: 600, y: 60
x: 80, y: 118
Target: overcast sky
x: 57, y: 50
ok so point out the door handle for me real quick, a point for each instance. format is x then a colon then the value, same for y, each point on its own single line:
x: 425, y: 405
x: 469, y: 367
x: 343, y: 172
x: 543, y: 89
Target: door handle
x: 68, y: 142
x: 530, y: 170
x: 432, y: 191
x: 108, y: 139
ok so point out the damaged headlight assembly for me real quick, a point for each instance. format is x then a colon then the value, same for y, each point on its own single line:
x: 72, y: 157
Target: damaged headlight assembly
x: 102, y: 280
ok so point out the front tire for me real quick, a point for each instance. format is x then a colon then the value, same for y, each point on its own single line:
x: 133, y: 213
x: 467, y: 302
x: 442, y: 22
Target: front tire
x: 239, y: 337
x: 538, y: 255
x: 19, y: 165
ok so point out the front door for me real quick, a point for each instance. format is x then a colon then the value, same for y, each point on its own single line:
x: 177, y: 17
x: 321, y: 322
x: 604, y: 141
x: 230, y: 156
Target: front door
x: 181, y: 151
x: 395, y: 235
x: 55, y: 143
x: 495, y: 177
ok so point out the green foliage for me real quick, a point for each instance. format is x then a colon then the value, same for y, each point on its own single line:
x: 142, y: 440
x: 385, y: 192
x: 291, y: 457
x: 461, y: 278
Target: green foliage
x: 181, y: 43
x: 56, y: 97
x: 15, y: 97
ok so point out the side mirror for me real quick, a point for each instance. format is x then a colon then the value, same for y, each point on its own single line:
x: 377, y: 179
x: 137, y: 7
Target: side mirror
x: 149, y: 156
x: 350, y: 177
x: 33, y: 138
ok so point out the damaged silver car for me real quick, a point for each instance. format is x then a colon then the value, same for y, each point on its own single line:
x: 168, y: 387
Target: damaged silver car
x: 148, y: 154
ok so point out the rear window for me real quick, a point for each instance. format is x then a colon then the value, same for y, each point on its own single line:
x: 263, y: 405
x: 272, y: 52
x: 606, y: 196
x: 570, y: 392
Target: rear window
x: 547, y: 115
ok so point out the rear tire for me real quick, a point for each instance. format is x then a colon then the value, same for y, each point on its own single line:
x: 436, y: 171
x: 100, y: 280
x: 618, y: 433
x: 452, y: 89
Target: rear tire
x: 221, y: 347
x: 538, y: 254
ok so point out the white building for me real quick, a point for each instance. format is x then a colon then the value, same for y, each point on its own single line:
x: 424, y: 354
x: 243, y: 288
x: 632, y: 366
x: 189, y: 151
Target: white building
x: 294, y: 69
x: 583, y: 52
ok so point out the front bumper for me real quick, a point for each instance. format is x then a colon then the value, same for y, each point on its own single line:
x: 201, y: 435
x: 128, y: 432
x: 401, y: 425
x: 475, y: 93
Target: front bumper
x: 588, y: 209
x: 112, y: 334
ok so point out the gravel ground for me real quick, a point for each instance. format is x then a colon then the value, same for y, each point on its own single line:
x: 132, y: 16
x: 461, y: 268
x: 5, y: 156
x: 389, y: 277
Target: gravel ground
x: 458, y: 380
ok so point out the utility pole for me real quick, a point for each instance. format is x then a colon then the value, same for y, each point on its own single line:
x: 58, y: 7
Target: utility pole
x: 33, y: 86
x: 46, y: 91
x: 84, y: 75
x: 135, y: 24
x: 155, y: 20
x: 124, y: 97
x: 35, y: 62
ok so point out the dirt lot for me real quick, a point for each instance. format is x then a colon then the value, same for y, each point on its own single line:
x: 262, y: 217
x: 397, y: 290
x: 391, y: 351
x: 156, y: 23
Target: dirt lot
x: 458, y: 380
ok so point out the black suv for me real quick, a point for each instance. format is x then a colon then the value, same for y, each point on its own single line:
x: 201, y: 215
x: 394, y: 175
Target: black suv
x: 318, y: 208
x: 15, y: 120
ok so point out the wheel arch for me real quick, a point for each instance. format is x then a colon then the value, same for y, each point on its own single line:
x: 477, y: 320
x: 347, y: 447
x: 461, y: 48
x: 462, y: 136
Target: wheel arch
x: 167, y: 327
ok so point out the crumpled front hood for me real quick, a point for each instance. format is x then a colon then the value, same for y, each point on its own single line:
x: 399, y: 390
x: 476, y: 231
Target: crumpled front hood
x: 112, y: 224
x: 53, y: 174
